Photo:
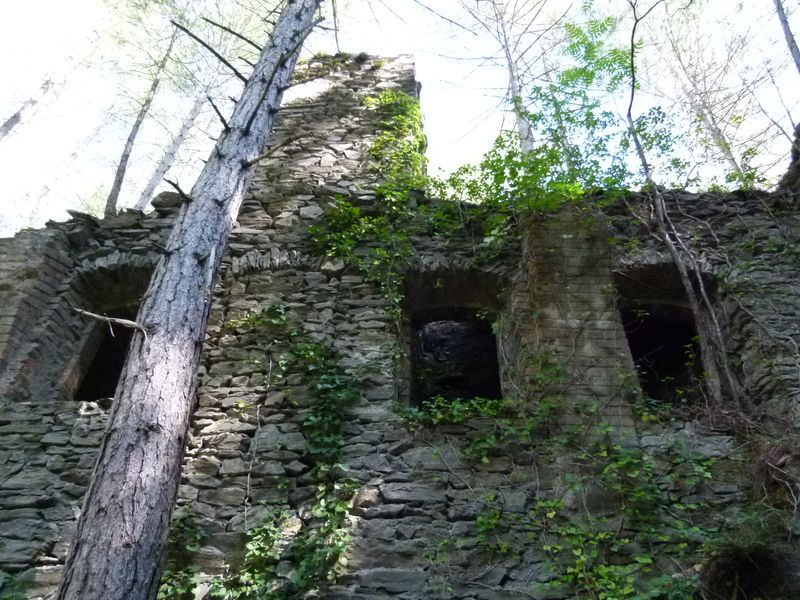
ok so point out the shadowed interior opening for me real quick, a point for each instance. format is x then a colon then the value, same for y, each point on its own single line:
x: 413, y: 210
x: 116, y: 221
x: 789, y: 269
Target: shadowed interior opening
x: 661, y: 331
x: 103, y: 373
x: 454, y: 355
x: 757, y: 575
x: 663, y: 342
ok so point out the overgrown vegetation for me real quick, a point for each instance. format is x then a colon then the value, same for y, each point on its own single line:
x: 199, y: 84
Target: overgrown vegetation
x: 179, y: 576
x: 398, y: 159
x: 624, y: 521
x: 655, y: 498
x: 314, y: 548
x: 502, y: 422
x: 648, y: 511
x: 577, y: 148
x: 287, y: 556
x: 11, y: 588
x: 649, y: 497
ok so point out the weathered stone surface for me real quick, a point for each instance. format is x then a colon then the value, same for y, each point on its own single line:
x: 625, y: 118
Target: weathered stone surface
x: 420, y: 506
x: 29, y: 479
x: 270, y: 437
x: 409, y: 492
x: 19, y: 551
x: 311, y: 212
x: 393, y: 580
x: 228, y: 496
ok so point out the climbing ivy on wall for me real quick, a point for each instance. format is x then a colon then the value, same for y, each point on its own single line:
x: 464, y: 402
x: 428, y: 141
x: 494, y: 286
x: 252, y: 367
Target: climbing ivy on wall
x: 398, y: 151
x: 285, y: 556
x: 654, y: 507
x: 398, y: 161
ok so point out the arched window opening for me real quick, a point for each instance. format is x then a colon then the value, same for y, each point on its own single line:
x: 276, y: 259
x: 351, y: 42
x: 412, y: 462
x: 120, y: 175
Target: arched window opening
x: 661, y: 332
x: 100, y: 378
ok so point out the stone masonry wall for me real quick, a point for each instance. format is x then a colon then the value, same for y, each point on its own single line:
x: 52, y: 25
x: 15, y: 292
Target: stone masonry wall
x: 426, y: 519
x: 48, y: 440
x: 248, y: 456
x: 745, y: 245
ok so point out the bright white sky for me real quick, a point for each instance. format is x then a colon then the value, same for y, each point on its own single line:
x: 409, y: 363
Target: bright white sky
x: 459, y: 102
x: 462, y: 94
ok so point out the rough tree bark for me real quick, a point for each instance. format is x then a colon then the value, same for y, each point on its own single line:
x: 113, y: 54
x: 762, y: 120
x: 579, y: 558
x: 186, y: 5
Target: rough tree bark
x: 15, y: 119
x: 787, y: 32
x: 123, y: 526
x: 122, y: 167
x: 168, y: 158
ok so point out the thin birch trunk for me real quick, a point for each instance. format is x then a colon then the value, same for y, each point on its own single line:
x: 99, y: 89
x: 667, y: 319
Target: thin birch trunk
x: 123, y: 526
x: 698, y: 101
x: 16, y: 118
x: 122, y: 167
x: 168, y: 158
x: 787, y: 32
x: 514, y: 79
x: 706, y: 115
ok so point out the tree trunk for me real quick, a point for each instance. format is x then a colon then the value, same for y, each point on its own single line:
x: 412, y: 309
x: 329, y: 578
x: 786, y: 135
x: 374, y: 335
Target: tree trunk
x: 124, y: 522
x: 15, y: 119
x: 712, y: 347
x: 702, y: 106
x: 514, y: 79
x: 790, y: 41
x: 122, y: 167
x: 168, y: 158
x: 706, y: 115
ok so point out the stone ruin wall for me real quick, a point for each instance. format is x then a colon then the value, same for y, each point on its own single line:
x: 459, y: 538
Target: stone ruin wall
x: 247, y: 456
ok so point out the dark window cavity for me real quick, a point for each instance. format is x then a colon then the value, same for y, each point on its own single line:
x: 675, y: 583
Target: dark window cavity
x: 102, y: 375
x: 454, y: 354
x: 663, y: 342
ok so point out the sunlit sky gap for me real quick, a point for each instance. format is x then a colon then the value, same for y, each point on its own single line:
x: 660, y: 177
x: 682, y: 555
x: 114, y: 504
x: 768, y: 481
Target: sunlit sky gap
x: 64, y: 152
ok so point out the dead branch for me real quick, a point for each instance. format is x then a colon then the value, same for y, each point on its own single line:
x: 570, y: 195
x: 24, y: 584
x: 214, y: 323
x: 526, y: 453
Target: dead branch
x: 234, y: 33
x: 268, y: 153
x: 444, y: 18
x: 113, y: 320
x: 219, y: 114
x: 216, y: 54
x: 178, y: 189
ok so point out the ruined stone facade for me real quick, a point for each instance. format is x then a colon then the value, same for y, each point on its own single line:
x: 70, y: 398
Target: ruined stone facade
x: 424, y: 521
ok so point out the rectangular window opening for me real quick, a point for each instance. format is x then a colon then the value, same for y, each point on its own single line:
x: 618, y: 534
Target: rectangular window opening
x: 454, y: 355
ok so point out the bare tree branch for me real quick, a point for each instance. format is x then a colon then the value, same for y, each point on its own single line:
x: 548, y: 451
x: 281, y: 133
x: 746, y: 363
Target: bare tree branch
x: 232, y: 32
x: 113, y: 320
x: 269, y: 152
x: 205, y: 45
x: 219, y: 115
x: 444, y: 18
x: 178, y: 189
